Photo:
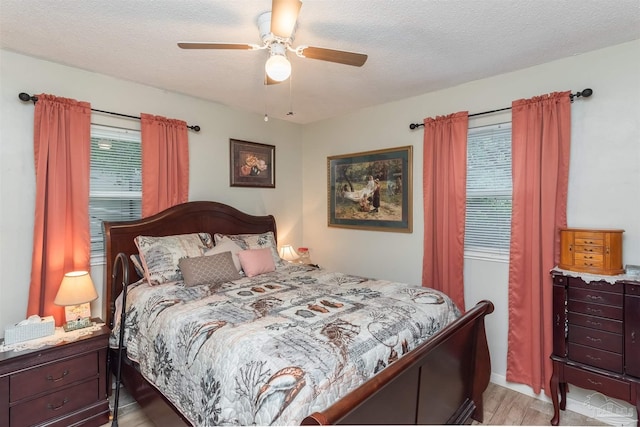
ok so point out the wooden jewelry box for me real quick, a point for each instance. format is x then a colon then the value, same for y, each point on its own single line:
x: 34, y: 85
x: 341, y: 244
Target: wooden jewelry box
x: 591, y: 251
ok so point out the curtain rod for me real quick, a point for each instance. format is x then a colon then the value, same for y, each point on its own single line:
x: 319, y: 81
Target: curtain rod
x: 585, y: 93
x: 26, y: 97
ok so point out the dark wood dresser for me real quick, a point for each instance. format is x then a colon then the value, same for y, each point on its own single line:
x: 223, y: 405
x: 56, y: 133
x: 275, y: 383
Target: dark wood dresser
x: 596, y: 337
x: 57, y: 385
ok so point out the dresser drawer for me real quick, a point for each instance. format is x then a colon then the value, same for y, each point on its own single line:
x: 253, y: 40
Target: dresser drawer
x: 51, y: 376
x: 595, y: 357
x: 598, y: 297
x: 600, y: 285
x: 592, y: 381
x: 597, y: 339
x: 585, y: 249
x: 589, y: 257
x: 589, y: 238
x: 595, y: 322
x: 599, y: 310
x: 56, y: 404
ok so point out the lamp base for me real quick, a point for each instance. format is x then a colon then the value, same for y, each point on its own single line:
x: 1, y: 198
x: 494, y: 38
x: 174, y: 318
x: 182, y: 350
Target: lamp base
x: 73, y: 325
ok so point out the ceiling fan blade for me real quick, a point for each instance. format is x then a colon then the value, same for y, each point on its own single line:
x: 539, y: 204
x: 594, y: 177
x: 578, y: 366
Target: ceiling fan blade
x: 207, y: 45
x: 284, y: 14
x: 331, y: 55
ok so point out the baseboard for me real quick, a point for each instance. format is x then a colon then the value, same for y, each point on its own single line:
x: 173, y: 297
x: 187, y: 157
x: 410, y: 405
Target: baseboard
x: 585, y: 402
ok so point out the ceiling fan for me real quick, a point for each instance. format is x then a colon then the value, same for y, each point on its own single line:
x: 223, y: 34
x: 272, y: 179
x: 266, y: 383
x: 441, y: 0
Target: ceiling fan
x: 277, y: 30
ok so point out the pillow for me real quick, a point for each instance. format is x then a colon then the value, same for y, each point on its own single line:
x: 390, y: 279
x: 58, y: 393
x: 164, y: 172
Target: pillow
x: 226, y: 245
x: 137, y: 264
x: 255, y: 241
x: 256, y: 261
x: 211, y: 269
x: 160, y: 255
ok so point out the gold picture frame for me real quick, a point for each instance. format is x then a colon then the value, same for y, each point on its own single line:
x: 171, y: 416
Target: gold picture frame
x: 371, y: 190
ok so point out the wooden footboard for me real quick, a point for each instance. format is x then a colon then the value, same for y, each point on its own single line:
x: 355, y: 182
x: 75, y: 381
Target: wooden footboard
x: 440, y: 382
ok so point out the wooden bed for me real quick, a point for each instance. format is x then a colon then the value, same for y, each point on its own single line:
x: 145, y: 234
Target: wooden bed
x: 439, y: 382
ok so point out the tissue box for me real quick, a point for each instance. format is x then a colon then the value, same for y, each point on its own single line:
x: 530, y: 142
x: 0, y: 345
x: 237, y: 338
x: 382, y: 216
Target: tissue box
x: 16, y: 333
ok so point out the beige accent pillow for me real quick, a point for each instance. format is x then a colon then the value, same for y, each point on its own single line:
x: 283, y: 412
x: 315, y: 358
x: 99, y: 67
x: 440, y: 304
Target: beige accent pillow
x: 211, y: 269
x: 226, y: 245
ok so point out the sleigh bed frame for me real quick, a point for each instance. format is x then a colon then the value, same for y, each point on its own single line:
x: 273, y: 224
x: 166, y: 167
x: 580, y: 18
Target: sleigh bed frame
x: 439, y: 382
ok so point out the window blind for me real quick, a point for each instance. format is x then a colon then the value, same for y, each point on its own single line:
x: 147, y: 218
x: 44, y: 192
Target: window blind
x: 489, y: 189
x: 115, y: 191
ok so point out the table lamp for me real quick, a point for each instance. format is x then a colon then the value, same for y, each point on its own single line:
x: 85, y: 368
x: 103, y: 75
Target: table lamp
x: 75, y: 293
x: 287, y: 253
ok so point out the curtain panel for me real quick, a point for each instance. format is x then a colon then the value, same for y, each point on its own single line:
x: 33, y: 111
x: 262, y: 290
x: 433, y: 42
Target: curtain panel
x: 541, y: 138
x: 61, y: 238
x: 165, y: 163
x: 444, y: 198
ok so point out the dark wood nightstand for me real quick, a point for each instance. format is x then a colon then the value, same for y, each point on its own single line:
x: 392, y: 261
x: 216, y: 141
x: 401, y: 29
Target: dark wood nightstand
x: 56, y: 385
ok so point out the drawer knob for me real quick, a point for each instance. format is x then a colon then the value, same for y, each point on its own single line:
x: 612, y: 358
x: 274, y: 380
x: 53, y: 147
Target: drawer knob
x: 594, y: 382
x: 594, y: 297
x: 594, y: 323
x: 593, y: 357
x: 55, y: 408
x: 55, y: 380
x: 594, y: 310
x: 593, y: 339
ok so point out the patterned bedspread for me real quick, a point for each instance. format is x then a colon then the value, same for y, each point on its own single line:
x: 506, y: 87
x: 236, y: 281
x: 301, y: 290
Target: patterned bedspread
x: 277, y: 347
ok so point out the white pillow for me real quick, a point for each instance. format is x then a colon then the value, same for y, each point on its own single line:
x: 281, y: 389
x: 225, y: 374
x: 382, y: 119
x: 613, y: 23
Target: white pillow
x: 226, y: 245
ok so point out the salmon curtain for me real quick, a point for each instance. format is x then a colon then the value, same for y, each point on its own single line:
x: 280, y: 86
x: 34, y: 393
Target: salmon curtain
x: 61, y: 237
x: 541, y: 136
x: 165, y: 163
x: 445, y: 193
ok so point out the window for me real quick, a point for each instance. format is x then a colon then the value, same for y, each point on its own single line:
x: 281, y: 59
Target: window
x: 489, y: 189
x: 115, y: 191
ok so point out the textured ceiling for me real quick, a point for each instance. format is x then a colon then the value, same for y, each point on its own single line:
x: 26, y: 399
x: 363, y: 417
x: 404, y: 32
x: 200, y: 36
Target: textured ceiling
x: 414, y: 46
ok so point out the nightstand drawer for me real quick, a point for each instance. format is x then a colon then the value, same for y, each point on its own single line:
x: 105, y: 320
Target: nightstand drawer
x: 56, y: 404
x: 597, y: 339
x: 51, y: 376
x: 594, y: 357
x: 592, y: 381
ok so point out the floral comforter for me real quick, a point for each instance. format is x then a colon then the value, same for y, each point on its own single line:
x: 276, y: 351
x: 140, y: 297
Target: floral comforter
x: 277, y: 347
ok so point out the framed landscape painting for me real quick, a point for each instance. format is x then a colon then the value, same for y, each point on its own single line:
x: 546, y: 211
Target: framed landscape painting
x: 371, y: 190
x: 252, y: 164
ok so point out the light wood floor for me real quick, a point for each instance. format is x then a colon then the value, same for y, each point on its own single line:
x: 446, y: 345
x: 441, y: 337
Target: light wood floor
x: 502, y: 406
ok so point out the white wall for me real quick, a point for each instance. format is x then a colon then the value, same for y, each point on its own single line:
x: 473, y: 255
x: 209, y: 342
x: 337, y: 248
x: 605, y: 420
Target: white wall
x: 209, y: 158
x: 604, y: 182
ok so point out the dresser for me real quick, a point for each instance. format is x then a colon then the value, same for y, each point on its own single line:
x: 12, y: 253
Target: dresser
x: 56, y: 385
x: 596, y: 337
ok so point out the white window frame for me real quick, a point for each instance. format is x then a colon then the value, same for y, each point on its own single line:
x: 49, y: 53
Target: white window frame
x: 476, y: 251
x: 115, y: 134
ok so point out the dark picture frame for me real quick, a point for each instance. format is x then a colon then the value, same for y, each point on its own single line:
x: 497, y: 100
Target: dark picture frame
x: 352, y: 199
x: 252, y: 164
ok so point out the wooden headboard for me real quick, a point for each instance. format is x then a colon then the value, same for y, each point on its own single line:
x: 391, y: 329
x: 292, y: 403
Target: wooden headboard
x: 190, y: 217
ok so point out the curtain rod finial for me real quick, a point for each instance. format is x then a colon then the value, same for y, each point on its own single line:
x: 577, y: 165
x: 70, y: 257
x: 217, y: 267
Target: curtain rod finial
x: 26, y: 97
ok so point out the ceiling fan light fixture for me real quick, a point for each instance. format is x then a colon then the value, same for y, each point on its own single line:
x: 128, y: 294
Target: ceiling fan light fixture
x: 278, y: 66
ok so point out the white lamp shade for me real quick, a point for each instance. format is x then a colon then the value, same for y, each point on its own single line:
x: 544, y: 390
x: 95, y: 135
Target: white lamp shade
x: 76, y: 288
x: 287, y: 253
x: 278, y: 67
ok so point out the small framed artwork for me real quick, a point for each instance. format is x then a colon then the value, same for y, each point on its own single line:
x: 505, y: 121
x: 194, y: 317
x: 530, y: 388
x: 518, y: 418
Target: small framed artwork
x: 371, y: 190
x: 252, y: 164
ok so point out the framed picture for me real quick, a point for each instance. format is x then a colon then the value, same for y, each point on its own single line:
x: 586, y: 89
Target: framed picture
x: 252, y: 164
x: 371, y: 190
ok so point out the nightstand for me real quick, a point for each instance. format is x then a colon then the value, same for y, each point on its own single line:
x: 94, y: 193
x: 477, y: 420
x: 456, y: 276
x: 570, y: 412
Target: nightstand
x: 56, y: 385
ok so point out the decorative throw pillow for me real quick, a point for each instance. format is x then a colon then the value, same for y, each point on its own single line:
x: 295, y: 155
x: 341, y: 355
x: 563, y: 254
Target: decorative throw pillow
x: 137, y: 264
x: 256, y: 261
x: 255, y: 241
x: 226, y: 245
x: 160, y: 255
x: 211, y: 269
